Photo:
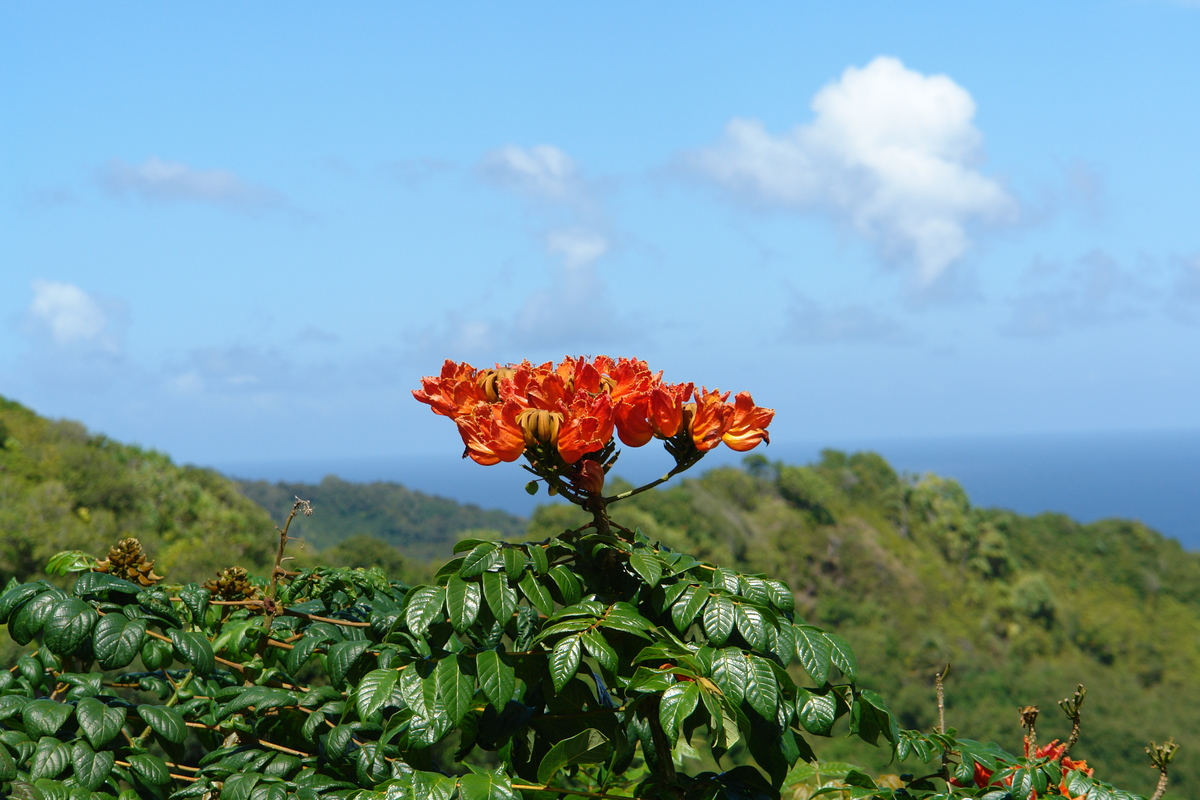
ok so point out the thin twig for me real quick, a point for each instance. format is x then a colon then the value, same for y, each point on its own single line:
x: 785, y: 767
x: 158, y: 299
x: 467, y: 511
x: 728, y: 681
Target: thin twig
x: 263, y: 742
x: 1070, y: 706
x: 1160, y: 757
x: 941, y: 697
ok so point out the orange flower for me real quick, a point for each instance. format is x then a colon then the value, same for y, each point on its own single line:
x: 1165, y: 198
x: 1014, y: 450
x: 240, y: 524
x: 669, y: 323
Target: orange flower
x: 455, y: 392
x: 492, y: 434
x: 587, y: 427
x: 710, y: 420
x: 632, y: 420
x: 749, y: 424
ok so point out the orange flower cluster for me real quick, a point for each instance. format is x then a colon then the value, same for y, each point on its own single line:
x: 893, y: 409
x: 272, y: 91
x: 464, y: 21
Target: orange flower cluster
x: 1053, y: 750
x: 574, y: 407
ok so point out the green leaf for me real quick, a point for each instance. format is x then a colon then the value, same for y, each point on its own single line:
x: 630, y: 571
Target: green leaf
x: 44, y: 717
x: 564, y: 661
x: 677, y: 703
x: 587, y: 747
x: 456, y: 686
x: 817, y: 712
x: 341, y: 657
x: 103, y: 585
x: 28, y: 619
x: 718, y: 620
x: 258, y: 697
x: 301, y: 652
x: 478, y: 560
x: 117, y: 640
x: 99, y: 723
x: 762, y: 691
x: 500, y: 596
x: 869, y: 717
x: 780, y: 595
x: 532, y: 588
x: 462, y: 602
x: 684, y: 612
x: 166, y: 722
x: 537, y: 555
x: 150, y: 769
x: 195, y: 649
x: 91, y: 768
x: 50, y: 759
x: 731, y: 672
x: 751, y: 625
x: 67, y: 625
x: 8, y: 767
x: 486, y: 786
x: 813, y: 649
x: 497, y: 678
x: 69, y: 561
x: 842, y: 656
x: 375, y: 691
x: 424, y: 607
x: 646, y: 565
x: 568, y: 584
x: 11, y: 600
x: 196, y: 599
x: 599, y: 649
x: 514, y: 563
x: 412, y: 689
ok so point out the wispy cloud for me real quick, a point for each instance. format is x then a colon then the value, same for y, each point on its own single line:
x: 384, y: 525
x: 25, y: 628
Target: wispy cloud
x: 890, y: 151
x: 541, y: 172
x: 808, y: 322
x: 1096, y: 290
x: 160, y: 181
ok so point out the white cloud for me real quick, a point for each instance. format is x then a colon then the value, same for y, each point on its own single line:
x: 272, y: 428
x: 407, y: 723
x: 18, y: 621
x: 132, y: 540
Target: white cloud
x: 542, y: 171
x: 70, y: 318
x: 891, y: 151
x: 171, y: 181
x: 578, y: 248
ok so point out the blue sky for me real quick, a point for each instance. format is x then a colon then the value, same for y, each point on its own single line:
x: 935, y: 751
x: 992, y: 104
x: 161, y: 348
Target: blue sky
x: 240, y: 233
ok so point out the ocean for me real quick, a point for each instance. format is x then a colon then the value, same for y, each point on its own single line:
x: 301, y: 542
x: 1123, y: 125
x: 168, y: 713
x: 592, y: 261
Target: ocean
x: 1153, y: 477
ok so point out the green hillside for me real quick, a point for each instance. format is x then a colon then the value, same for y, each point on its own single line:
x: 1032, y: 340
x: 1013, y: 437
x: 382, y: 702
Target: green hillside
x: 1024, y: 608
x: 63, y: 488
x: 423, y: 526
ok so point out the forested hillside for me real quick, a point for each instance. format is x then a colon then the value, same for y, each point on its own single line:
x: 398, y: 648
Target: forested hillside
x: 423, y: 526
x: 63, y: 488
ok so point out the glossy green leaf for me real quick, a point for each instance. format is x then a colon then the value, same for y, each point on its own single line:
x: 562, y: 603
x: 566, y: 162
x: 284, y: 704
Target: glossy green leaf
x: 814, y: 650
x: 91, y: 768
x: 456, y: 685
x: 762, y: 690
x: 424, y: 607
x: 718, y: 620
x: 514, y: 563
x: 537, y: 556
x: 375, y: 691
x: 50, y: 760
x: 195, y: 649
x: 587, y: 747
x: 497, y: 678
x: 44, y: 717
x: 478, y: 560
x: 28, y: 619
x: 689, y: 604
x: 99, y: 723
x: 341, y: 657
x: 462, y: 602
x: 564, y: 661
x: 731, y: 672
x: 676, y: 704
x: 599, y: 649
x: 501, y: 598
x: 412, y: 690
x: 647, y: 565
x: 12, y: 599
x: 8, y: 767
x: 817, y: 712
x: 117, y: 640
x: 751, y: 624
x: 532, y: 588
x: 165, y: 722
x: 486, y: 786
x: 568, y: 584
x: 842, y: 656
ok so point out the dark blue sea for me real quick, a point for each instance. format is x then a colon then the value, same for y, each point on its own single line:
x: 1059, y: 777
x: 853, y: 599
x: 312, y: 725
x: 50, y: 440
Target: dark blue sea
x: 1153, y: 477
